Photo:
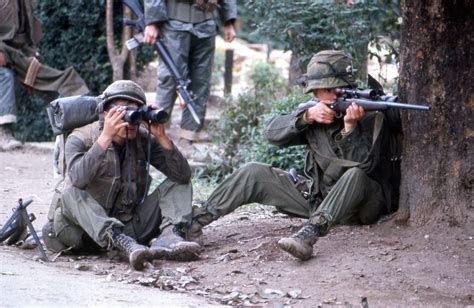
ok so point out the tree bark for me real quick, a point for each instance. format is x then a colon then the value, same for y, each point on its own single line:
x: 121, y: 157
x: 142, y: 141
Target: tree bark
x: 117, y: 60
x: 295, y: 71
x: 437, y: 56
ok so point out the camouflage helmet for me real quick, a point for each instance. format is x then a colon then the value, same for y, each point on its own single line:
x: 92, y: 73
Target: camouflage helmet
x: 124, y: 89
x: 329, y: 69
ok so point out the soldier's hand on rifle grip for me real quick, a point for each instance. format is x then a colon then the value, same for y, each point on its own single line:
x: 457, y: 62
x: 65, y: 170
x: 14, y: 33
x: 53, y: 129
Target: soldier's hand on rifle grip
x: 152, y: 31
x: 354, y: 114
x: 320, y: 113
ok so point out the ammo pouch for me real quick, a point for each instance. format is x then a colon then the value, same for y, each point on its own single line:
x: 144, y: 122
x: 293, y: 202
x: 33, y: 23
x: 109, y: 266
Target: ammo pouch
x: 206, y: 5
x: 191, y: 11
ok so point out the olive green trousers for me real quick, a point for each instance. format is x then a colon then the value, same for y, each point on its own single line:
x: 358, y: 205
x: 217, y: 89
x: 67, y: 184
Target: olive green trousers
x: 354, y: 199
x: 193, y: 57
x: 79, y: 214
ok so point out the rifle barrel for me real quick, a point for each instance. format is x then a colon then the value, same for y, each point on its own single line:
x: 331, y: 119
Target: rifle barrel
x: 379, y: 105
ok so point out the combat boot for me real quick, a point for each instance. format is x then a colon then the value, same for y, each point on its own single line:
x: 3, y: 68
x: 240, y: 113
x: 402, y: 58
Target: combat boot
x: 170, y: 245
x: 137, y: 254
x: 201, y: 218
x: 300, y: 244
x: 7, y: 141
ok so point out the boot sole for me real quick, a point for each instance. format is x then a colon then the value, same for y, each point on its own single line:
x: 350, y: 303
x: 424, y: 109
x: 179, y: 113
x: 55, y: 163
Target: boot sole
x: 139, y: 257
x: 159, y: 253
x: 295, y: 249
x: 184, y: 251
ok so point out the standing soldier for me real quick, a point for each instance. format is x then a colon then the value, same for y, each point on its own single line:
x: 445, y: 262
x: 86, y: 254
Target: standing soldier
x: 20, y: 32
x: 188, y: 28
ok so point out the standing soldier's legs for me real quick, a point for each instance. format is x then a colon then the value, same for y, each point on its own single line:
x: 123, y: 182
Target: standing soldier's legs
x: 355, y: 198
x: 254, y: 182
x: 178, y: 44
x: 200, y: 70
x: 7, y: 110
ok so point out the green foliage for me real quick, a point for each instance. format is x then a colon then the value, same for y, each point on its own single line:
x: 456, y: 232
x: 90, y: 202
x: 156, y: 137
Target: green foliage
x: 263, y: 151
x: 32, y: 119
x: 241, y: 118
x: 267, y: 81
x: 306, y: 27
x: 74, y: 35
x: 240, y: 127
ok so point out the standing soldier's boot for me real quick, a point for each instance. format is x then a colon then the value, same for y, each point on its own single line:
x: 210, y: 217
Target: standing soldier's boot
x: 7, y: 141
x: 137, y: 254
x: 201, y: 218
x: 172, y: 246
x: 300, y: 244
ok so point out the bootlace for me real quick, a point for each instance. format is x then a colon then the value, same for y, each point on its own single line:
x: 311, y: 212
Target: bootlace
x: 306, y: 232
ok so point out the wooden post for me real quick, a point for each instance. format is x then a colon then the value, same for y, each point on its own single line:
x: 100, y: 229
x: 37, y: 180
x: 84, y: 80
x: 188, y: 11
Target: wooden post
x: 229, y: 64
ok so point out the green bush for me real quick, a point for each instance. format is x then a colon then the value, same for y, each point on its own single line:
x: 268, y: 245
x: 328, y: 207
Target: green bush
x: 306, y: 27
x: 240, y: 128
x: 240, y: 120
x: 264, y: 151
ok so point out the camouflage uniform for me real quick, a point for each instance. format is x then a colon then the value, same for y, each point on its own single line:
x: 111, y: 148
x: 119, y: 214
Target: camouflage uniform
x: 20, y: 32
x: 189, y: 34
x: 343, y: 180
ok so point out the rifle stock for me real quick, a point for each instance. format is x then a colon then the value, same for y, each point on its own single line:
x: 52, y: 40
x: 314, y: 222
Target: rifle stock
x: 164, y: 54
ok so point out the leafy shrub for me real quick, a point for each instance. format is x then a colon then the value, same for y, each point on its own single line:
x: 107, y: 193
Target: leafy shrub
x: 264, y: 151
x: 306, y: 27
x: 240, y: 128
x: 241, y: 117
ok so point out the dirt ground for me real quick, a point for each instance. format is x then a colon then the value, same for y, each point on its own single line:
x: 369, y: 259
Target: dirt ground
x: 382, y: 265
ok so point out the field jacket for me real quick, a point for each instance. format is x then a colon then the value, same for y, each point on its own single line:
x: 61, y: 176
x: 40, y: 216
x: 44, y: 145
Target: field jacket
x: 183, y: 15
x: 330, y: 153
x: 104, y: 174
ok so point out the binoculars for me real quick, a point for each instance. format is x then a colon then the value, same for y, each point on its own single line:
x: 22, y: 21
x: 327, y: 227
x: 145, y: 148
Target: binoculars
x: 145, y: 113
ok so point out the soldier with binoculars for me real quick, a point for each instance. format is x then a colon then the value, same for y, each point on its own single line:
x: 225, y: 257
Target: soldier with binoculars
x: 105, y: 202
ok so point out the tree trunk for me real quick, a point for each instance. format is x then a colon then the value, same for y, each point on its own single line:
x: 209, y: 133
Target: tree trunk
x: 117, y: 60
x: 132, y: 65
x: 295, y: 71
x: 437, y: 55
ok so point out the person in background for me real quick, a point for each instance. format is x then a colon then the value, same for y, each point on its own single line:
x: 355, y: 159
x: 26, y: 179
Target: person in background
x: 188, y: 29
x: 20, y: 32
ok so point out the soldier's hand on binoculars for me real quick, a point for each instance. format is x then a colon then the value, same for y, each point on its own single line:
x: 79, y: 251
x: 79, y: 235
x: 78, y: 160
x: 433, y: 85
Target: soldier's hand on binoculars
x: 113, y: 121
x: 321, y: 113
x: 158, y: 130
